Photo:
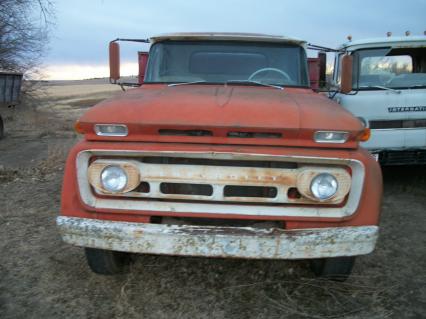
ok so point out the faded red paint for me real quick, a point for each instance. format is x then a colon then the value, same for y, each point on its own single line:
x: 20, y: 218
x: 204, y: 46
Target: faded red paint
x: 366, y: 214
x: 294, y: 112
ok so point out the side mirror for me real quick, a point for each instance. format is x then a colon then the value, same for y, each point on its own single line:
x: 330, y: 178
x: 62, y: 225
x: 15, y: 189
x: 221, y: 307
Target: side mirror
x: 143, y: 60
x: 114, y: 62
x: 346, y: 74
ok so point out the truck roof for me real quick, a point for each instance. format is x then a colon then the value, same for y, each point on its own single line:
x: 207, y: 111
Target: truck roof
x: 223, y: 36
x: 404, y: 41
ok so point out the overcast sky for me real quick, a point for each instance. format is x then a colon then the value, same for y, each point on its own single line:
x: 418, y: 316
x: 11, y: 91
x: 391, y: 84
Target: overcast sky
x: 78, y: 47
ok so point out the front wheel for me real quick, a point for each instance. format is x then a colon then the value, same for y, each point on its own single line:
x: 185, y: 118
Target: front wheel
x: 106, y: 262
x: 338, y: 268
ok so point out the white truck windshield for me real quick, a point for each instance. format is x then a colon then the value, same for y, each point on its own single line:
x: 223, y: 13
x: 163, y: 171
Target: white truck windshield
x: 227, y: 62
x: 389, y: 68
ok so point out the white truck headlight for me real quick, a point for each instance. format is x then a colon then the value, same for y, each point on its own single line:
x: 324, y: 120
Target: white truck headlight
x: 324, y: 186
x: 114, y: 178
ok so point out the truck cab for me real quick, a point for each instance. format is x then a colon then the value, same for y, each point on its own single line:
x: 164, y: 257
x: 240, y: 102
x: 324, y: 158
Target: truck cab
x: 224, y: 150
x: 388, y: 94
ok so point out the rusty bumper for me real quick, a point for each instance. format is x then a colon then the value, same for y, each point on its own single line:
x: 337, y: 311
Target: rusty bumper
x: 244, y: 242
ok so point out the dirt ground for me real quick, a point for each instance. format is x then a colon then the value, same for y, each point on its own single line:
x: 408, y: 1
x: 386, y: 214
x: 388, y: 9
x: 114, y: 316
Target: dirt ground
x: 41, y: 277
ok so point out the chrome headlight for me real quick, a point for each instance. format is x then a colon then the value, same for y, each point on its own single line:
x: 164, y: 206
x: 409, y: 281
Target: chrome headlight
x: 114, y: 178
x: 324, y: 186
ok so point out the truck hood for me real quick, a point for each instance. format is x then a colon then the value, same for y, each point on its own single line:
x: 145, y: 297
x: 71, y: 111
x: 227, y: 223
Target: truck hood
x: 219, y: 114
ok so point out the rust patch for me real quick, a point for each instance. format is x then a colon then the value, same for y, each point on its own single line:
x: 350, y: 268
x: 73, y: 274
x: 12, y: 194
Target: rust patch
x: 218, y: 241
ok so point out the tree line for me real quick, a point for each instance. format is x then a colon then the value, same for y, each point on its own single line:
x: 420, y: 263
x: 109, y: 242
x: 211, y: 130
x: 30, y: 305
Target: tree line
x: 24, y: 29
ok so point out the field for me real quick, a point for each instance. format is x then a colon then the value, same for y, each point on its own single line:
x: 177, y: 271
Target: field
x: 41, y: 277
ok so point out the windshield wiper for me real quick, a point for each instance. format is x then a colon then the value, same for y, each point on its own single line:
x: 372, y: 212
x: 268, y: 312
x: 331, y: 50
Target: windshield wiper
x: 255, y: 82
x: 380, y: 87
x: 186, y: 83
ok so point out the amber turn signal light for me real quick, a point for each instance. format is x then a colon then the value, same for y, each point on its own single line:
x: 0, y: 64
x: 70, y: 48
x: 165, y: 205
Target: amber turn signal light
x: 365, y: 135
x: 78, y: 128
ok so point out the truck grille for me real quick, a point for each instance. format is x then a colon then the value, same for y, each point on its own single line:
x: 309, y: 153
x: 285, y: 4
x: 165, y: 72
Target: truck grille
x: 200, y: 179
x: 221, y: 183
x: 394, y: 124
x: 412, y: 157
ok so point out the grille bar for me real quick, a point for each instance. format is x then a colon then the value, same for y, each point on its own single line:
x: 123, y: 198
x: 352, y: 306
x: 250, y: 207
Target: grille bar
x: 413, y: 157
x: 389, y: 124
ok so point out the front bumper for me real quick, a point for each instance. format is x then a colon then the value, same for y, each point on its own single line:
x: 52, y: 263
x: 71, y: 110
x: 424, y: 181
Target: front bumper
x: 241, y: 242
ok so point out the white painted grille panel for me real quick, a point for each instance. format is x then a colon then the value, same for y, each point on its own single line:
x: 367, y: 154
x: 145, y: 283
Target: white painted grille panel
x: 148, y: 204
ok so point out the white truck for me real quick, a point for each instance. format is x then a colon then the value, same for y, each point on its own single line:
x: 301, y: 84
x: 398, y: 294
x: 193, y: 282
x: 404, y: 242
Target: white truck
x: 385, y: 80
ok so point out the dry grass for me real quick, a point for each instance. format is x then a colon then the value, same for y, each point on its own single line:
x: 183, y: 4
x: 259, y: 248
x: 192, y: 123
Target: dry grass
x: 324, y: 299
x: 78, y: 91
x: 282, y: 295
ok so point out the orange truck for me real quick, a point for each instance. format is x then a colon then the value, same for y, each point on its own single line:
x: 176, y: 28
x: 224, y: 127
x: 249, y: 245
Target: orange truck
x: 224, y: 150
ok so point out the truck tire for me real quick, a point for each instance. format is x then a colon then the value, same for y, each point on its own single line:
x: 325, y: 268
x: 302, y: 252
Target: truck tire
x: 1, y: 128
x: 106, y: 262
x: 337, y: 268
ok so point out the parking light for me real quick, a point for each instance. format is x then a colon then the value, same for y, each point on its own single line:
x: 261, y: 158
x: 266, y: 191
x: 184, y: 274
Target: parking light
x: 111, y: 130
x: 331, y: 137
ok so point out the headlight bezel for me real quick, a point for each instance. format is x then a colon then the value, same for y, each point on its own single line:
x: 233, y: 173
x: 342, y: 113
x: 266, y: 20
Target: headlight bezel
x: 308, y: 173
x: 130, y: 168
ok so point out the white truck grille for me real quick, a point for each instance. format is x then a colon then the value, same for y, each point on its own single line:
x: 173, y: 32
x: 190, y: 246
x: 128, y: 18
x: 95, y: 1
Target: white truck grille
x: 219, y: 183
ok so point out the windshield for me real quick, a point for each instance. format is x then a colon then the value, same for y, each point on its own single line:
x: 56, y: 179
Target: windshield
x: 227, y: 62
x: 390, y: 68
